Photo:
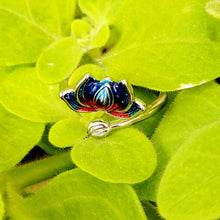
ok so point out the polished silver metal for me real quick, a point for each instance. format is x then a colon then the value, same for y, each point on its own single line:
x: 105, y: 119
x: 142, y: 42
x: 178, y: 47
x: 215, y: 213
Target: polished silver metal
x: 99, y: 128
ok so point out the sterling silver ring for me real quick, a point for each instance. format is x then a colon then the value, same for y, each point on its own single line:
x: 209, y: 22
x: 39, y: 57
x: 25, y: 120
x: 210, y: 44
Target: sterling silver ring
x: 115, y: 98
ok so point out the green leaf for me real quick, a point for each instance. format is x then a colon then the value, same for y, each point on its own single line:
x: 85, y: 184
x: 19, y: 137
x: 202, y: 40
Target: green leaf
x: 151, y: 211
x: 53, y: 16
x: 166, y: 45
x: 77, y: 195
x: 67, y: 132
x: 17, y: 137
x: 96, y: 71
x: 23, y: 94
x: 21, y: 40
x: 59, y: 60
x: 80, y: 29
x: 149, y: 125
x: 99, y: 11
x: 190, y: 186
x: 213, y: 8
x: 99, y: 36
x: 2, y: 207
x: 125, y: 156
x: 192, y: 110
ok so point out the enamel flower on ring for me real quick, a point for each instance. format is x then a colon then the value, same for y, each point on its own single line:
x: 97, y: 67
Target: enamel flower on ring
x: 91, y: 95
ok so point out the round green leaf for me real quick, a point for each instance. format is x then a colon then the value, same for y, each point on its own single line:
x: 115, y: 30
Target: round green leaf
x: 23, y: 94
x: 99, y: 36
x: 80, y: 29
x: 125, y: 156
x: 21, y: 40
x: 67, y: 132
x: 190, y: 186
x: 79, y: 196
x: 17, y: 137
x: 191, y: 110
x: 59, y: 60
x: 213, y: 8
x: 95, y: 71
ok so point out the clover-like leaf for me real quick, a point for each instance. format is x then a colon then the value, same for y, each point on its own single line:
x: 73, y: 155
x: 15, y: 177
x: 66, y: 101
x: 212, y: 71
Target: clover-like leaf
x: 21, y: 40
x: 53, y: 16
x: 190, y: 186
x: 213, y: 8
x: 67, y: 132
x: 125, y: 156
x: 191, y: 110
x: 59, y: 60
x: 17, y: 137
x: 152, y: 50
x: 77, y: 195
x: 80, y: 29
x: 23, y: 94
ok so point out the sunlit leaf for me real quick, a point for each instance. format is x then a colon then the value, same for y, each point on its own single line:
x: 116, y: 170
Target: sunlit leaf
x: 192, y: 110
x: 53, y: 16
x: 23, y: 94
x: 17, y: 137
x: 125, y: 156
x: 190, y: 186
x: 213, y: 8
x: 67, y: 132
x: 59, y: 60
x: 77, y: 195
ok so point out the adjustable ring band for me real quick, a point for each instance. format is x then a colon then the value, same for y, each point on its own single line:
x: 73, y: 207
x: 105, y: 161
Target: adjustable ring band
x: 116, y: 99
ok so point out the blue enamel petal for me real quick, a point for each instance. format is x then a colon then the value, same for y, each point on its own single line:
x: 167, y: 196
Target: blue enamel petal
x: 122, y: 97
x: 69, y: 98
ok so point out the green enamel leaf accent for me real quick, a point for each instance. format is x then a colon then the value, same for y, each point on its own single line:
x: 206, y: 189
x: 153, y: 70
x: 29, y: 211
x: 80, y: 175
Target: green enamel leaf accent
x: 213, y: 8
x: 96, y: 71
x: 99, y: 11
x: 59, y: 60
x: 190, y: 186
x: 80, y: 29
x: 77, y: 195
x: 125, y: 156
x: 2, y: 207
x: 21, y: 40
x: 192, y: 110
x: 17, y: 137
x: 53, y: 16
x: 23, y: 94
x: 67, y: 132
x: 99, y: 36
x: 168, y: 45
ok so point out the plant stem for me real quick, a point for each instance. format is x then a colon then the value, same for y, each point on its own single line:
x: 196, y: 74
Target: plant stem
x: 31, y: 173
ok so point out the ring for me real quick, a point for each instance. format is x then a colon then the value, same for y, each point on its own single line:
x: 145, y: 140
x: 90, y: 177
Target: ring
x: 115, y: 98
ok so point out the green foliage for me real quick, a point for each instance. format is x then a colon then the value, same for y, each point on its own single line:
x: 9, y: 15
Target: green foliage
x: 1, y: 207
x: 192, y: 110
x: 77, y: 195
x: 13, y: 144
x: 35, y: 101
x: 191, y: 180
x: 49, y: 46
x: 213, y: 8
x: 67, y: 132
x: 59, y: 60
x: 126, y: 156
